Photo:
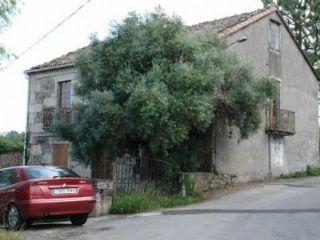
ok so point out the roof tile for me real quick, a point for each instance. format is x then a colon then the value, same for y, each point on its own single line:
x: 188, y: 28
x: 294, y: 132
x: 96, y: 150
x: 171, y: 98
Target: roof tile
x: 223, y: 27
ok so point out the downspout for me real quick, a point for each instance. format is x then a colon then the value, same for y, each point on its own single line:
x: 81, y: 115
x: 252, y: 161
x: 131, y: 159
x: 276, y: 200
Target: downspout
x: 214, y: 147
x: 27, y: 125
x: 269, y: 156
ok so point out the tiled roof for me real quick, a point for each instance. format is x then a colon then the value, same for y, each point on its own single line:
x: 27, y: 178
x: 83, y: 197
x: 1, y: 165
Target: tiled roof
x: 229, y: 25
x: 64, y: 60
x: 224, y: 27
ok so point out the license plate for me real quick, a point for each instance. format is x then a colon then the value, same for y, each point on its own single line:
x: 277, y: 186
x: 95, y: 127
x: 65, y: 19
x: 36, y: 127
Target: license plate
x: 60, y: 191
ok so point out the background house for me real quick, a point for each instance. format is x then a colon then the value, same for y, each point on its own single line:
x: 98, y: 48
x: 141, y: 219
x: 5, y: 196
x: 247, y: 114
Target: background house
x: 287, y: 140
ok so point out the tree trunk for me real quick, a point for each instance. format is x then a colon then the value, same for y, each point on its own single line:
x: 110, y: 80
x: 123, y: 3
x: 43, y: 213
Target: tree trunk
x: 101, y: 169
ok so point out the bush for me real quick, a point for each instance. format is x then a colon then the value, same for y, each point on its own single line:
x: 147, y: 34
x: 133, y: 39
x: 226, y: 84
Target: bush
x: 310, y: 171
x: 12, y: 141
x: 146, y: 201
x: 313, y: 170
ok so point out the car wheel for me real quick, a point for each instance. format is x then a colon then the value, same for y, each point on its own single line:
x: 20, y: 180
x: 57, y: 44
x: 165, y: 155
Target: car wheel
x: 79, y: 220
x: 13, y: 220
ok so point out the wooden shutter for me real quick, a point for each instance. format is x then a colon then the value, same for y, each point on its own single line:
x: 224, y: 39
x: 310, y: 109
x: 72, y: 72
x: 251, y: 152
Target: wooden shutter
x: 65, y: 94
x: 60, y: 153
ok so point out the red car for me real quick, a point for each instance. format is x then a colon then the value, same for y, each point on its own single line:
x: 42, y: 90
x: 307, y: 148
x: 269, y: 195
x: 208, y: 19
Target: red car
x: 40, y: 192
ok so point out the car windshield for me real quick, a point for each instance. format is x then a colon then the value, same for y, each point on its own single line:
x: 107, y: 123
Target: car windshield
x: 49, y: 172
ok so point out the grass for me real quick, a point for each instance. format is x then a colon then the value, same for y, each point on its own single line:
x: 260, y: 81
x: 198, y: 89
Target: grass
x: 310, y: 171
x: 4, y: 235
x: 147, y: 201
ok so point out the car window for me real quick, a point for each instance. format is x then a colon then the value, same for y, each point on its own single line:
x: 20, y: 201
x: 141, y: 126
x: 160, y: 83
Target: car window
x: 7, y: 178
x: 49, y: 172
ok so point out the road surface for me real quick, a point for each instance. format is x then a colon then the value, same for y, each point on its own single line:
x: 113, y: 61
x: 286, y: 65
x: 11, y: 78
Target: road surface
x: 275, y: 210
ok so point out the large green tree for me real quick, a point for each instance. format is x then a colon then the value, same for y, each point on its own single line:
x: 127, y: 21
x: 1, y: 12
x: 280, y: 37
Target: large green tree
x: 152, y: 87
x: 303, y: 18
x: 7, y: 10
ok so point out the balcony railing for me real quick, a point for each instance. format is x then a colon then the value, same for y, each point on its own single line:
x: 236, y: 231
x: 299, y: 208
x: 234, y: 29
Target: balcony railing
x: 62, y: 114
x: 280, y: 122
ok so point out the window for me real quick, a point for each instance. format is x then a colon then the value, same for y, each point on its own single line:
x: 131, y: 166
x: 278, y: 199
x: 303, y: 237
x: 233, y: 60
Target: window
x: 7, y: 178
x: 275, y: 38
x: 49, y: 172
x: 64, y: 94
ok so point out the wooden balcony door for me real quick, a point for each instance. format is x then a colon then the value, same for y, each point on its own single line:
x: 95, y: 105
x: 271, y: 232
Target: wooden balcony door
x: 64, y: 95
x: 60, y: 154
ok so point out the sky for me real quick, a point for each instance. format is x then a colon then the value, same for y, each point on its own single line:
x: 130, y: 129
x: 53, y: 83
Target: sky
x: 37, y: 17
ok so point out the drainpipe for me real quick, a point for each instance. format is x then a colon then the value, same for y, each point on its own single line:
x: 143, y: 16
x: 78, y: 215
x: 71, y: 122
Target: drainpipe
x: 214, y: 147
x: 27, y: 124
x: 269, y: 156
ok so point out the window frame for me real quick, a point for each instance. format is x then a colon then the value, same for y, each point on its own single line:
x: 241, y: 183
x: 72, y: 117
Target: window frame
x: 60, y: 92
x: 274, y: 22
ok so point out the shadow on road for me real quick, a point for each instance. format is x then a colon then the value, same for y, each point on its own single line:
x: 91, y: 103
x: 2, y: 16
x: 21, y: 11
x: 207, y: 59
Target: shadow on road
x: 46, y: 226
x: 245, y: 211
x: 299, y: 186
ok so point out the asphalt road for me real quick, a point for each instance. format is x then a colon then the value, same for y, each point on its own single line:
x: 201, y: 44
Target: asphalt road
x: 276, y: 210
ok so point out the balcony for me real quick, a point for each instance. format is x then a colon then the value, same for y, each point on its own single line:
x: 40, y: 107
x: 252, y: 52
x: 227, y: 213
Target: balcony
x: 280, y: 122
x: 51, y: 114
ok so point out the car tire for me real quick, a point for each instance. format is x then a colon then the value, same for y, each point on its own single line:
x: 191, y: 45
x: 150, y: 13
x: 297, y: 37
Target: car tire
x: 79, y: 220
x: 13, y: 218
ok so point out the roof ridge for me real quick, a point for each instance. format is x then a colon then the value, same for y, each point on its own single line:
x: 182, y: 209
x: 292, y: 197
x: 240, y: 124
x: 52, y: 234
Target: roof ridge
x: 222, y: 26
x: 243, y: 17
x: 256, y: 17
x: 227, y: 17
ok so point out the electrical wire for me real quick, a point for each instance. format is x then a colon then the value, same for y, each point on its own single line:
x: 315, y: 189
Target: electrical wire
x: 48, y: 33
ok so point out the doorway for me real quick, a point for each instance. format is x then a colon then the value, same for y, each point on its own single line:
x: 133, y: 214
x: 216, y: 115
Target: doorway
x: 60, y: 154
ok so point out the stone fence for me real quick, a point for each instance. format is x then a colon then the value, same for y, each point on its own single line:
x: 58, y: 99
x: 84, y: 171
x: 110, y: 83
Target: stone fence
x: 203, y: 182
x: 10, y: 159
x: 103, y: 189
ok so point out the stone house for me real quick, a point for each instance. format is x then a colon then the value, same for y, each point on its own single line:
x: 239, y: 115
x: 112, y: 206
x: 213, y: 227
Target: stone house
x: 287, y: 140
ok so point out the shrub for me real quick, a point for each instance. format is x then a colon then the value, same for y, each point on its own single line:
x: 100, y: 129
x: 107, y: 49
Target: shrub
x: 313, y: 170
x: 8, y: 144
x: 310, y: 171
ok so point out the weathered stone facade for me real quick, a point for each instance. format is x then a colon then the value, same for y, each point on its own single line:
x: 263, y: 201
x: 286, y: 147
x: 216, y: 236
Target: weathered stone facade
x: 43, y: 94
x: 203, y: 182
x: 10, y: 159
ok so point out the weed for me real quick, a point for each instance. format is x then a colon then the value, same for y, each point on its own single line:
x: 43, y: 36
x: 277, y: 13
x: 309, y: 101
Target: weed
x: 146, y: 201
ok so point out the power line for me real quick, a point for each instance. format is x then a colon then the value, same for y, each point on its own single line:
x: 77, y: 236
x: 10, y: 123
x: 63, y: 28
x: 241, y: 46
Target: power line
x: 48, y: 33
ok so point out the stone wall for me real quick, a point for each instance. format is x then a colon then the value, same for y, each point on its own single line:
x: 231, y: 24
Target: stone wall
x: 11, y: 159
x: 103, y: 189
x: 43, y: 93
x: 203, y: 182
